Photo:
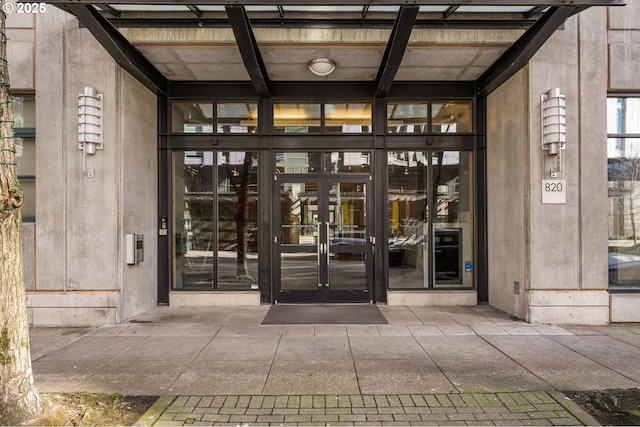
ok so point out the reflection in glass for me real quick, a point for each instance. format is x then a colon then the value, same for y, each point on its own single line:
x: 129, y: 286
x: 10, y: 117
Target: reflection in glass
x: 623, y: 115
x: 237, y: 220
x: 296, y: 117
x: 238, y: 117
x: 451, y: 117
x: 623, y: 152
x: 194, y: 222
x: 215, y: 250
x: 348, y: 162
x: 26, y: 154
x: 24, y: 118
x: 297, y: 162
x: 192, y: 117
x: 452, y: 219
x: 407, y: 117
x: 411, y: 196
x: 408, y: 219
x: 24, y: 111
x: 347, y: 117
x: 347, y: 236
x: 299, y: 236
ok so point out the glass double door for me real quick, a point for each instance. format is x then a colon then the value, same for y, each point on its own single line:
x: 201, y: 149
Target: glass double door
x: 323, y: 239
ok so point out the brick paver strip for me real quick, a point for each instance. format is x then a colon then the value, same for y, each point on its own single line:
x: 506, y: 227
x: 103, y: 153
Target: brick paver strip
x: 503, y: 408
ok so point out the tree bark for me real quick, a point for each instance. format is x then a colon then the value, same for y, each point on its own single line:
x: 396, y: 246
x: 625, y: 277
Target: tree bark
x: 19, y: 399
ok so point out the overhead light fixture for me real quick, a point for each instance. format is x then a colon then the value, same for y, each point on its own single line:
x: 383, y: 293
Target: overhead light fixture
x: 322, y: 66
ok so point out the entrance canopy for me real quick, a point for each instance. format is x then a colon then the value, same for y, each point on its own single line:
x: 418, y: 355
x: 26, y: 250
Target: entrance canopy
x: 263, y: 41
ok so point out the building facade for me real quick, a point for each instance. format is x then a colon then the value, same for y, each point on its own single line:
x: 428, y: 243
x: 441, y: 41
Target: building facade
x: 192, y: 155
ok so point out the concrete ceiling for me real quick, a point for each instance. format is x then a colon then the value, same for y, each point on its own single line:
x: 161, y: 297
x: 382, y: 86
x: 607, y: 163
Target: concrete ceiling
x: 212, y: 54
x: 487, y: 42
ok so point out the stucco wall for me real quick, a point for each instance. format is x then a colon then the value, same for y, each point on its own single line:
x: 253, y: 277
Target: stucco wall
x: 81, y: 220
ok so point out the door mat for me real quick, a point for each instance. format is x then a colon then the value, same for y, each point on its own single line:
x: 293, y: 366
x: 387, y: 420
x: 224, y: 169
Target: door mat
x: 306, y: 314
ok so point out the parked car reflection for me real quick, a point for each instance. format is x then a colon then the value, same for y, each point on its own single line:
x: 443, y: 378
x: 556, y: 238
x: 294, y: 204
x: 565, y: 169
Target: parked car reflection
x: 624, y: 266
x: 350, y: 237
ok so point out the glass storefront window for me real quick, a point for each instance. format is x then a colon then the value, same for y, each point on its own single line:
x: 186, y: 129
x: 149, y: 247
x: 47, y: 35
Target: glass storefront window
x: 430, y: 194
x: 215, y: 227
x: 24, y: 120
x: 26, y: 156
x: 352, y: 117
x: 24, y: 111
x: 237, y: 220
x: 408, y: 204
x: 451, y: 117
x: 623, y: 159
x: 192, y: 117
x: 407, y: 117
x: 452, y: 219
x: 237, y: 117
x: 296, y: 117
x: 348, y: 162
x: 298, y: 162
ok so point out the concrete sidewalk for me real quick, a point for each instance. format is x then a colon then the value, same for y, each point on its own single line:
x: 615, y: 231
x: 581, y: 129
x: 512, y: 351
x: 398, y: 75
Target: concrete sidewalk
x: 210, y: 360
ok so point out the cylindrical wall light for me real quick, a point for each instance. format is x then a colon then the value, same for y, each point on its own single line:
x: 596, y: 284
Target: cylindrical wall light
x: 89, y: 125
x: 90, y: 121
x: 554, y: 120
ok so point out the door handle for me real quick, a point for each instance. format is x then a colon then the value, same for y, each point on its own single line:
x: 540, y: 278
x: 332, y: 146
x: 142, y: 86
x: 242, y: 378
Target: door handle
x: 327, y: 252
x: 318, y: 252
x: 318, y: 244
x: 327, y: 244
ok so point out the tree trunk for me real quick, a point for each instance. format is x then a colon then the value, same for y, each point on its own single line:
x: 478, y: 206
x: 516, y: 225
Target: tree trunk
x: 19, y: 399
x: 242, y: 265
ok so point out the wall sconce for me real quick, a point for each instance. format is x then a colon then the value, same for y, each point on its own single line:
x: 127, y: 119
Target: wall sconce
x: 554, y: 119
x: 89, y: 125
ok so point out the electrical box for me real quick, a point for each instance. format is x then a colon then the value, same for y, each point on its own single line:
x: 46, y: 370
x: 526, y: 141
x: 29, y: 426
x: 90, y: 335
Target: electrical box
x: 134, y: 248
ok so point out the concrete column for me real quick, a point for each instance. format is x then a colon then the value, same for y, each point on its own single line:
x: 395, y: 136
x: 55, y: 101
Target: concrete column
x: 547, y: 262
x: 81, y: 275
x: 507, y: 195
x: 568, y: 241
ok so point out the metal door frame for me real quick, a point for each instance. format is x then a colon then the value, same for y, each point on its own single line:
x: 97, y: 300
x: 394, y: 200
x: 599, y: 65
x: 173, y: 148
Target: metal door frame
x: 324, y: 293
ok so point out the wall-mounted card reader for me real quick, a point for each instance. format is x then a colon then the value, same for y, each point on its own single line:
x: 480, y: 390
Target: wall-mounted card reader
x: 134, y: 248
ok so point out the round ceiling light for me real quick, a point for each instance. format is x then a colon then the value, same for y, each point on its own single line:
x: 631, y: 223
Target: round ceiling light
x: 322, y: 66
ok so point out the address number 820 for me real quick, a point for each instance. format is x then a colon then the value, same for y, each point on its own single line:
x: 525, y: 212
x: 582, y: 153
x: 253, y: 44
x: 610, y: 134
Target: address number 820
x: 552, y: 187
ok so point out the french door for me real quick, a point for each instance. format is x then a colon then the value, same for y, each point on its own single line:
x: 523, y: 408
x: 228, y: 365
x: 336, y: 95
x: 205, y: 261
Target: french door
x: 323, y: 239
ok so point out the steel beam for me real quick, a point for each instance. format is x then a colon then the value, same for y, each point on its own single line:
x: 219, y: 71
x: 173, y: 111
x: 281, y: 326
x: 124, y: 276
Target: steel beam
x: 195, y: 10
x: 498, y: 3
x: 519, y: 54
x: 127, y: 56
x: 488, y: 24
x: 249, y: 49
x: 110, y: 10
x: 395, y: 49
x: 450, y: 11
